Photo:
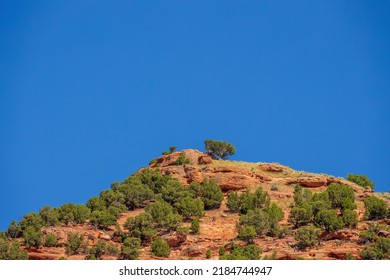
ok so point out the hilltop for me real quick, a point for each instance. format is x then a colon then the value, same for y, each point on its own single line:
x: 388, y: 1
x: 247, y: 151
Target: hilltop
x: 179, y: 179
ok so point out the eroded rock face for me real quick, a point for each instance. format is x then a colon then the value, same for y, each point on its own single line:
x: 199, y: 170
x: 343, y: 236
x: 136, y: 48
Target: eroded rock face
x: 344, y: 234
x: 271, y: 167
x: 194, y: 251
x: 175, y: 239
x: 195, y: 157
x: 314, y: 182
x: 199, y: 169
x: 309, y: 182
x: 219, y: 226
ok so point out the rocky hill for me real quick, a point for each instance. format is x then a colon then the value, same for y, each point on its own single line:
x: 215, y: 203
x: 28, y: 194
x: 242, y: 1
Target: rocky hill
x: 220, y: 226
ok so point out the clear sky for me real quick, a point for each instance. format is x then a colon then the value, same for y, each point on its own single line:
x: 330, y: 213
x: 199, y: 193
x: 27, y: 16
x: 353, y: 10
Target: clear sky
x: 90, y: 91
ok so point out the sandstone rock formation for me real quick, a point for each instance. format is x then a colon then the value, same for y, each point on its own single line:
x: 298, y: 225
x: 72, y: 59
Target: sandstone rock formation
x: 219, y: 226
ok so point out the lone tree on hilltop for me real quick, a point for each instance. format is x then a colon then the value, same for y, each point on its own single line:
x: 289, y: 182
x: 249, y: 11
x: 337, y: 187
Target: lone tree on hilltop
x: 221, y: 149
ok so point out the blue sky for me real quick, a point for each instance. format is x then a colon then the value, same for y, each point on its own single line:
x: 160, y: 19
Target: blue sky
x: 90, y: 91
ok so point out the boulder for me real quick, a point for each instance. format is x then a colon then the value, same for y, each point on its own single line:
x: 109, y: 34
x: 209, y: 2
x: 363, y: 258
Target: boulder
x: 194, y: 251
x: 175, y: 239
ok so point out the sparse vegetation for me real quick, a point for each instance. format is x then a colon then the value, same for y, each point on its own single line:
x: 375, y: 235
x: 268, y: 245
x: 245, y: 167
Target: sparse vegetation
x: 211, y: 195
x: 169, y: 204
x: 182, y: 159
x: 307, y: 237
x: 74, y: 245
x: 51, y: 240
x: 300, y: 216
x: 341, y: 196
x: 376, y: 208
x: 171, y: 150
x: 195, y: 227
x: 141, y: 226
x: 329, y: 220
x: 233, y: 202
x: 208, y: 254
x: 368, y: 236
x: 32, y: 237
x: 130, y: 249
x: 249, y: 252
x: 379, y: 250
x: 361, y: 180
x: 11, y: 251
x: 247, y: 233
x: 160, y: 248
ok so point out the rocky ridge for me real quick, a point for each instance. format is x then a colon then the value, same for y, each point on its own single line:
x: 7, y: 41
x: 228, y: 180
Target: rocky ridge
x: 218, y: 227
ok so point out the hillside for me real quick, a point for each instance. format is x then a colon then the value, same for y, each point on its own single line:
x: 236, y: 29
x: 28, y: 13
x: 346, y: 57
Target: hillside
x: 102, y: 238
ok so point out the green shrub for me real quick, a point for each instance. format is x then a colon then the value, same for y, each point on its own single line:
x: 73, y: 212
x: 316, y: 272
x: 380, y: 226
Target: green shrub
x: 301, y: 215
x: 188, y: 207
x: 380, y: 250
x: 32, y: 237
x: 368, y: 236
x: 251, y: 201
x: 135, y: 193
x: 113, y: 198
x: 247, y: 202
x: 195, y: 189
x: 361, y: 180
x: 301, y: 195
x: 174, y: 191
x: 283, y: 232
x: 222, y: 251
x: 376, y: 208
x: 341, y: 196
x: 102, y: 219
x: 14, y: 230
x: 249, y: 252
x: 96, y: 204
x: 70, y: 212
x: 350, y: 218
x: 211, y: 195
x: 275, y: 215
x: 257, y: 218
x: 349, y: 256
x: 11, y: 252
x: 329, y: 220
x: 183, y: 230
x: 140, y: 226
x: 150, y: 178
x: 112, y: 250
x: 97, y: 250
x: 51, y: 240
x: 208, y: 254
x: 233, y: 202
x: 182, y: 159
x: 81, y: 213
x: 221, y: 149
x: 319, y: 205
x: 195, y: 226
x: 261, y: 198
x: 163, y: 215
x: 171, y: 150
x: 31, y: 220
x: 130, y: 248
x: 74, y: 245
x: 160, y: 248
x: 307, y: 237
x: 49, y: 216
x: 247, y: 233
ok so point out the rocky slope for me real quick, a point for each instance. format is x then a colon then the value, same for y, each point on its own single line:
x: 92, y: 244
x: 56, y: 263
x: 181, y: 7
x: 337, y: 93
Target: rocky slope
x: 218, y: 227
